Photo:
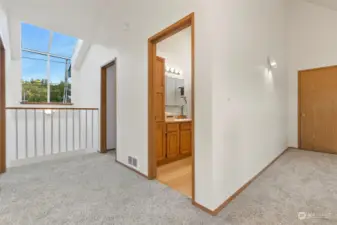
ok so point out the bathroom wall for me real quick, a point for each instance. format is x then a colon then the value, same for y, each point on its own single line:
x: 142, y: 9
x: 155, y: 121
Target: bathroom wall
x: 177, y: 52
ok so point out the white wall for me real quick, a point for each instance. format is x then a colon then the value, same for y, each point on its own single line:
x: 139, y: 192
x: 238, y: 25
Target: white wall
x: 309, y: 45
x: 249, y: 105
x: 132, y: 83
x: 102, y: 22
x: 4, y: 33
x: 11, y: 67
x: 13, y: 80
x: 177, y: 52
x: 111, y: 108
x: 86, y: 83
x: 237, y: 105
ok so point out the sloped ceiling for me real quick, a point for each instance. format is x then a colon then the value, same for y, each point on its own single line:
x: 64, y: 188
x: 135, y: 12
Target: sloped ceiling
x: 102, y: 22
x: 78, y: 18
x: 331, y: 4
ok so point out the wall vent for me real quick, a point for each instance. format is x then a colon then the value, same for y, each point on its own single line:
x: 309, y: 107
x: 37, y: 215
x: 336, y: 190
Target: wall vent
x: 133, y: 161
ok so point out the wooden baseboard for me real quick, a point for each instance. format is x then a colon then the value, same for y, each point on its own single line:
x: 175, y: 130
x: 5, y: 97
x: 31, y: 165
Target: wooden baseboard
x: 314, y: 150
x: 231, y: 198
x: 203, y: 208
x: 136, y: 171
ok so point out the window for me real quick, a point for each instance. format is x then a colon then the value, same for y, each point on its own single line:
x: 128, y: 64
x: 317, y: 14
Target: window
x: 46, y: 65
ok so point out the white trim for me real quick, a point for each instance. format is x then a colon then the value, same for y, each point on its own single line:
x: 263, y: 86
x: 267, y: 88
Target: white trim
x: 44, y: 53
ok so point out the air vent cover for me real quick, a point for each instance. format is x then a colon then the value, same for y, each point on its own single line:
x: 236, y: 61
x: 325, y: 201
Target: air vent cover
x: 133, y: 161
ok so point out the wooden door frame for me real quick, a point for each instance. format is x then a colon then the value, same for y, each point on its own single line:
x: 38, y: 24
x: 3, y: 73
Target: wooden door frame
x: 186, y: 22
x: 299, y: 109
x: 299, y: 105
x: 103, y: 116
x: 3, y: 165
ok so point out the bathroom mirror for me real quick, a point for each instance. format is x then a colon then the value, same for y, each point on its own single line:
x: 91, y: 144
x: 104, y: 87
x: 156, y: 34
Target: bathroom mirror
x: 174, y: 96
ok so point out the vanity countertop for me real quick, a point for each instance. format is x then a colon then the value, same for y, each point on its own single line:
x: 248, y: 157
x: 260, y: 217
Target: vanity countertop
x: 178, y: 120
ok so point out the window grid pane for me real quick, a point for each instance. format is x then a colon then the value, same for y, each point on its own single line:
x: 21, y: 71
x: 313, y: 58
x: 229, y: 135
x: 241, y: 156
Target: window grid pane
x: 63, y: 45
x: 34, y: 82
x: 36, y: 56
x: 34, y: 37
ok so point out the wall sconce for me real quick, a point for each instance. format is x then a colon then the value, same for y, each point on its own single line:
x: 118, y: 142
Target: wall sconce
x: 173, y: 70
x: 272, y: 64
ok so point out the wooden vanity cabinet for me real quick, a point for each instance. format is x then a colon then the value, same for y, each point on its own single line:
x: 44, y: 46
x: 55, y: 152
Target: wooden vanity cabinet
x: 185, y: 138
x: 172, y: 140
x: 178, y: 142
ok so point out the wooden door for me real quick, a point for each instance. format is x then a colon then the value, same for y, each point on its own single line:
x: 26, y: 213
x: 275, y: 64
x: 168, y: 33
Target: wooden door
x: 185, y: 142
x: 172, y: 144
x: 2, y: 110
x: 318, y: 109
x: 159, y: 87
x: 159, y: 108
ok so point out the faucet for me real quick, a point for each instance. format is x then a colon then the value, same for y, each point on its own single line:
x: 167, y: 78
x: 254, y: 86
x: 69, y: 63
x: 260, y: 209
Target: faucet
x: 183, y: 105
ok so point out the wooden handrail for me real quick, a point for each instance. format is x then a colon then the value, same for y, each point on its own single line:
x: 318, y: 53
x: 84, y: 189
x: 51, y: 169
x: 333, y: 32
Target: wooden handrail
x: 39, y: 108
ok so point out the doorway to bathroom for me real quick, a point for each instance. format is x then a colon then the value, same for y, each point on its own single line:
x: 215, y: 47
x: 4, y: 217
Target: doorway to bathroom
x: 171, y: 111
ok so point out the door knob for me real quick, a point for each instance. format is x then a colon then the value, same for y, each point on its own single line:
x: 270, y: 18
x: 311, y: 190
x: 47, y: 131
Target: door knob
x: 303, y: 114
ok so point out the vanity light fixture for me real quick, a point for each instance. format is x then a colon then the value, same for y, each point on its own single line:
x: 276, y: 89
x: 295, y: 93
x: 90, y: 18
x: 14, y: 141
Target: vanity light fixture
x: 173, y: 70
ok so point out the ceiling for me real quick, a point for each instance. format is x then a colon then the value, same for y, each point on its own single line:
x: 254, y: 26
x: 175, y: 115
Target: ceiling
x: 331, y: 4
x: 93, y: 21
x: 97, y: 21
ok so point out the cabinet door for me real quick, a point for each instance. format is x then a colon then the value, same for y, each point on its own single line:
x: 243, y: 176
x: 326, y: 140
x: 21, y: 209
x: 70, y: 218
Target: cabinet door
x: 185, y: 142
x: 160, y: 141
x: 172, y: 144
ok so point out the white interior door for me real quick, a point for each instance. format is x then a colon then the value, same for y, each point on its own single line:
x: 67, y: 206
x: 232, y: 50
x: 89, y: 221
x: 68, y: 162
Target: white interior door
x: 111, y: 108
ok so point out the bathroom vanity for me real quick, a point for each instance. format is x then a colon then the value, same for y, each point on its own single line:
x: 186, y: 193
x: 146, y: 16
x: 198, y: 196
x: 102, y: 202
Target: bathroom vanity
x: 177, y: 141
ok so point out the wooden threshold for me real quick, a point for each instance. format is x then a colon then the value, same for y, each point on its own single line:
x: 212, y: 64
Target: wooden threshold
x: 167, y: 161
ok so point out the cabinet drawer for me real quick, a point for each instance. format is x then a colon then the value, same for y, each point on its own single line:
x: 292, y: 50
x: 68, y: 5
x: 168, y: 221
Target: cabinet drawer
x: 172, y: 127
x: 186, y: 126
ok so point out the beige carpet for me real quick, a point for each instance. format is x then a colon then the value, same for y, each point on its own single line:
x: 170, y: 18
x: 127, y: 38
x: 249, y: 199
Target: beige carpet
x: 93, y: 189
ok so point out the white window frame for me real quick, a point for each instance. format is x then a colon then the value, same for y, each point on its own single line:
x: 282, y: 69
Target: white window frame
x: 48, y: 54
